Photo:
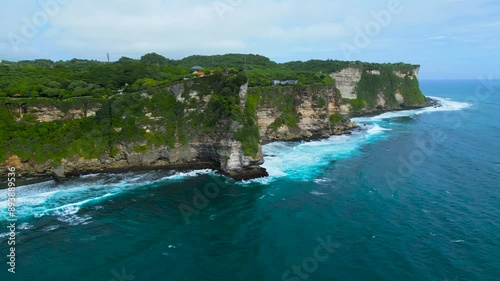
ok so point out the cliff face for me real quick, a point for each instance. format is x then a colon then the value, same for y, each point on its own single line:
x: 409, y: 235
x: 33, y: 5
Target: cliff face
x: 379, y: 88
x: 317, y: 111
x: 346, y: 80
x: 183, y: 126
x: 217, y: 151
x: 48, y: 113
x: 298, y: 113
x: 212, y: 122
x: 45, y: 110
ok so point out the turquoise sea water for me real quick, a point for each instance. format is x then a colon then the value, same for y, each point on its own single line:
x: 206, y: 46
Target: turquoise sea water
x: 413, y: 196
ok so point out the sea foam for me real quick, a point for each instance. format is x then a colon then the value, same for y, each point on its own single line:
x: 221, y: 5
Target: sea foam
x: 66, y: 200
x: 305, y: 160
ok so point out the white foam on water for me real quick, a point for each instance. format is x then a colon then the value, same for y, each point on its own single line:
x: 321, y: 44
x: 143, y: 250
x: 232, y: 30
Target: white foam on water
x: 321, y: 180
x: 73, y: 219
x: 317, y: 193
x: 68, y: 213
x: 376, y: 130
x: 73, y: 208
x: 446, y: 105
x: 89, y: 176
x: 50, y: 228
x: 24, y: 226
x: 6, y: 234
x: 191, y: 174
x: 65, y: 200
x: 304, y: 161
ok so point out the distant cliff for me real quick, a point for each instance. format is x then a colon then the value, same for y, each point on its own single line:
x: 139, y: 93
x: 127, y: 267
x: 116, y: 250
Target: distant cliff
x: 319, y: 111
x: 216, y: 121
x: 300, y: 112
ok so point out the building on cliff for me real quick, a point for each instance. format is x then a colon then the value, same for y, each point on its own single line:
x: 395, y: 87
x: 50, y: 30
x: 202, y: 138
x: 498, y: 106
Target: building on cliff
x: 284, y: 83
x: 196, y: 68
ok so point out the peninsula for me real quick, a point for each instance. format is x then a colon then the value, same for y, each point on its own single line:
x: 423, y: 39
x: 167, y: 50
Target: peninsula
x: 81, y: 116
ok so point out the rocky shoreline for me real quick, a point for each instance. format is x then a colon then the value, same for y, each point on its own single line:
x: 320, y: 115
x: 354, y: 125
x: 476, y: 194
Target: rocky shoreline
x: 429, y: 102
x: 178, y: 159
x: 313, y: 109
x: 68, y: 170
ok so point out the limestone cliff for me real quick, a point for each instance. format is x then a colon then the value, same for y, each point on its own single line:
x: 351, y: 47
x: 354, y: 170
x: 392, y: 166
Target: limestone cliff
x: 47, y: 110
x: 178, y: 127
x: 369, y: 88
x: 300, y: 113
x: 346, y: 81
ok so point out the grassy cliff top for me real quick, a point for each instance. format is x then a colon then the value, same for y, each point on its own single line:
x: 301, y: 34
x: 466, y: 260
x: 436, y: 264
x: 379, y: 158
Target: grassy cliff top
x: 90, y: 78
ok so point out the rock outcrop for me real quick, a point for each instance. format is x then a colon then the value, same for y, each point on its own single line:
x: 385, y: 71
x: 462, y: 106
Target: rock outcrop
x: 346, y: 81
x: 47, y: 111
x: 50, y: 113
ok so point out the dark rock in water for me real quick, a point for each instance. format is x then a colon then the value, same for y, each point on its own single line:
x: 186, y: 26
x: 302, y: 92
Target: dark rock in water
x: 432, y: 102
x: 247, y: 174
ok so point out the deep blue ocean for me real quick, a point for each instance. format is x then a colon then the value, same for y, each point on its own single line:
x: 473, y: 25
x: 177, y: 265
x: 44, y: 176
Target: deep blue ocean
x: 414, y: 195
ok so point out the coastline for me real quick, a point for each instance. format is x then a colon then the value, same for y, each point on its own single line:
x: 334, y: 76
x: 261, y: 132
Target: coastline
x: 429, y: 102
x: 241, y: 175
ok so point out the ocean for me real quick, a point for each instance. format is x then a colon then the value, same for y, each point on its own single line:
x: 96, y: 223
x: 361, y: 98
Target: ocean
x: 413, y: 195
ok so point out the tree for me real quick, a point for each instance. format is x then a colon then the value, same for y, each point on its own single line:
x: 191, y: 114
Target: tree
x: 154, y: 58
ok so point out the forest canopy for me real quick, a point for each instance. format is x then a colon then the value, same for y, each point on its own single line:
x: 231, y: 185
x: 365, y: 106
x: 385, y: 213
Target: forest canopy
x: 91, y: 78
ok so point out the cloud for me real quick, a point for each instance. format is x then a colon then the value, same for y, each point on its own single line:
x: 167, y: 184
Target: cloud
x: 283, y: 30
x: 440, y: 37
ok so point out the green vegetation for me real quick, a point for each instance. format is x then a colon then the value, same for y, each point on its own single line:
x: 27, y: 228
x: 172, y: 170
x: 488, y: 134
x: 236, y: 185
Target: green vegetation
x: 263, y: 77
x: 357, y: 104
x: 41, y: 141
x: 284, y: 99
x: 326, y: 66
x: 411, y: 92
x: 249, y: 61
x: 249, y: 134
x: 319, y: 102
x: 146, y: 121
x: 76, y: 78
x: 387, y: 84
x: 336, y: 117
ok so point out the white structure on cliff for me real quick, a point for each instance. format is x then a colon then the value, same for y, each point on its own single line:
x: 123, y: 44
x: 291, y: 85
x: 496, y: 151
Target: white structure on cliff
x: 285, y: 82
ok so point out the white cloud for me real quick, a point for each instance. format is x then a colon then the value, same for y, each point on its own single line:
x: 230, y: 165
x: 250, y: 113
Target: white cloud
x: 440, y: 37
x: 282, y: 29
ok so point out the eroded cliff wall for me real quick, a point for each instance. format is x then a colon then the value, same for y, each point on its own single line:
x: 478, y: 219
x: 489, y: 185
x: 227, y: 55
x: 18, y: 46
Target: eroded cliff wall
x: 368, y: 88
x: 185, y: 125
x: 300, y: 113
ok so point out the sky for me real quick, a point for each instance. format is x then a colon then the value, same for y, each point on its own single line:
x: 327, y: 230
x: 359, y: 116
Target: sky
x: 450, y: 39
